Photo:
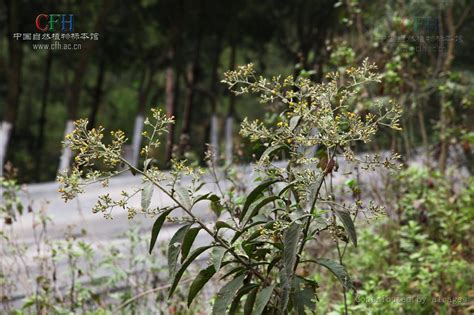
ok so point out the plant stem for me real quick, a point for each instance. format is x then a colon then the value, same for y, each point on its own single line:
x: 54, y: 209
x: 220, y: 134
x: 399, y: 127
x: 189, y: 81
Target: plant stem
x: 196, y: 219
x: 313, y: 205
x: 140, y: 295
x: 343, y: 287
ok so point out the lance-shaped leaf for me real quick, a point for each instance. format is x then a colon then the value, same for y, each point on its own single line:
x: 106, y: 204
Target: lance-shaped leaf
x: 217, y: 208
x: 290, y: 249
x: 264, y: 201
x: 286, y: 188
x: 147, y: 193
x: 146, y: 163
x: 216, y: 205
x: 188, y: 242
x: 174, y: 247
x: 262, y: 300
x: 303, y: 295
x: 273, y: 263
x: 224, y: 225
x: 236, y: 270
x: 157, y: 227
x: 192, y: 256
x: 225, y: 295
x: 208, y: 196
x: 254, y: 194
x: 338, y: 270
x: 269, y: 151
x: 250, y: 301
x: 182, y: 195
x: 294, y: 122
x: 217, y: 255
x: 258, y: 220
x: 243, y: 291
x: 346, y: 220
x: 202, y: 278
x: 290, y: 243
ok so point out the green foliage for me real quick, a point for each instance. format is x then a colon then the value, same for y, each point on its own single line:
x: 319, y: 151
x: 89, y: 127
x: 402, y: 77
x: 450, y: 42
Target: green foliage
x: 430, y: 199
x: 11, y: 205
x: 422, y: 265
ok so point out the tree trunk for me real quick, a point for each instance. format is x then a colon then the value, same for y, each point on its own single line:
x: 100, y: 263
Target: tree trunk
x: 229, y: 141
x: 443, y: 154
x: 15, y: 54
x: 170, y: 93
x: 143, y: 93
x: 67, y: 153
x: 214, y: 121
x: 424, y: 135
x: 42, y: 120
x: 229, y: 122
x: 97, y: 99
x: 191, y: 80
x: 444, y: 121
x: 214, y: 137
x: 188, y: 106
x: 74, y: 92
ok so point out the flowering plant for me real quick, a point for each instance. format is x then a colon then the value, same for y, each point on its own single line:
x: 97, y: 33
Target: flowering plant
x: 259, y: 240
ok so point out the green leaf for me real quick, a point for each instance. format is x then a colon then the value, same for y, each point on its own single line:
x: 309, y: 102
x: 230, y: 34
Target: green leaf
x: 286, y: 188
x: 290, y: 243
x: 217, y: 208
x: 188, y: 241
x: 236, y: 301
x: 224, y: 225
x: 346, y: 220
x: 147, y: 193
x: 217, y: 255
x: 249, y: 303
x: 157, y: 227
x: 226, y: 294
x: 271, y: 150
x: 202, y: 278
x: 262, y: 299
x: 290, y: 248
x: 303, y: 295
x: 194, y: 254
x: 338, y: 270
x: 146, y: 163
x: 209, y: 196
x: 254, y: 194
x: 272, y: 264
x: 256, y: 208
x: 174, y: 247
x: 351, y: 183
x: 294, y: 122
x: 183, y: 197
x: 236, y: 270
x: 256, y: 221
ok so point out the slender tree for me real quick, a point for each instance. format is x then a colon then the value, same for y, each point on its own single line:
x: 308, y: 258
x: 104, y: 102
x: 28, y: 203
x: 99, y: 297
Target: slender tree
x: 15, y: 58
x: 229, y: 121
x: 191, y: 83
x: 214, y: 122
x: 170, y: 102
x: 43, y: 117
x: 75, y: 88
x: 97, y: 93
x: 145, y: 88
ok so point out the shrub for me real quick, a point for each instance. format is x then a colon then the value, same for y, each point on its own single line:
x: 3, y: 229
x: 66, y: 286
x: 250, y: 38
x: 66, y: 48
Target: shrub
x: 422, y: 264
x: 258, y: 241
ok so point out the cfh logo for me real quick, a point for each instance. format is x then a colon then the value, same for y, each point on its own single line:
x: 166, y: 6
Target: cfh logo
x: 48, y: 22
